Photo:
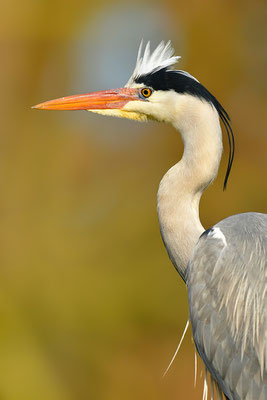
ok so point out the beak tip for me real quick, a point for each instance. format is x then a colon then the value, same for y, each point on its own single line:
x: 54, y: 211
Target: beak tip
x: 42, y: 106
x: 37, y: 106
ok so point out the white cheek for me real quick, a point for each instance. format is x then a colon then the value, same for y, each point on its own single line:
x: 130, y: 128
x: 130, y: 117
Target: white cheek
x: 136, y: 106
x: 161, y: 106
x: 144, y: 108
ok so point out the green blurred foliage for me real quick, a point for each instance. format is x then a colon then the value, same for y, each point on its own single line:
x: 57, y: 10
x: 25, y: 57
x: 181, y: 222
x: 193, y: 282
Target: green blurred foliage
x: 90, y: 305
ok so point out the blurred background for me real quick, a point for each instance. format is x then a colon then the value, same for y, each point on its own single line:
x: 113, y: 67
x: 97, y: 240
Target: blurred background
x: 90, y: 305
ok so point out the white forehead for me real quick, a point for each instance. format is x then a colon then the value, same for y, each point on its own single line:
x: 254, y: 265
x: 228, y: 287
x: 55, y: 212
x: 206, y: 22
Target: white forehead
x: 161, y: 57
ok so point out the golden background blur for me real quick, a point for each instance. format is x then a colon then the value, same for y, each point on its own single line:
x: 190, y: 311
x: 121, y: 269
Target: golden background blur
x: 90, y: 305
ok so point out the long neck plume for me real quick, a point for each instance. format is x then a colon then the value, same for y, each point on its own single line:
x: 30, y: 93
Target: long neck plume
x: 181, y: 188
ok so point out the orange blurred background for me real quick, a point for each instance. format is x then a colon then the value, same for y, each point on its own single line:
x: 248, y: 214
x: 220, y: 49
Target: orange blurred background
x: 90, y: 305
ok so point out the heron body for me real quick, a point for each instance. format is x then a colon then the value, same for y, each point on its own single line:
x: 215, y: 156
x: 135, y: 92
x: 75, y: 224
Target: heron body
x: 226, y: 279
x: 225, y: 267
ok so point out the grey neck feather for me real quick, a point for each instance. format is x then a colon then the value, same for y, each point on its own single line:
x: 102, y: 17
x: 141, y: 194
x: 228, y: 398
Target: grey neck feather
x: 181, y: 188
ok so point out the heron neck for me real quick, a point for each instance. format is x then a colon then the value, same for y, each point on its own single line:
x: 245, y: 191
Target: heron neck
x: 181, y: 188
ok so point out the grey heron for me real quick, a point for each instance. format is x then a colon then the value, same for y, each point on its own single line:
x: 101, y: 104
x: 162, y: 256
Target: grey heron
x: 224, y: 267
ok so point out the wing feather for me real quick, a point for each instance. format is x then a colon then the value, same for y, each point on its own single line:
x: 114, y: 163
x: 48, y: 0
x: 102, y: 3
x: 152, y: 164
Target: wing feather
x: 227, y: 282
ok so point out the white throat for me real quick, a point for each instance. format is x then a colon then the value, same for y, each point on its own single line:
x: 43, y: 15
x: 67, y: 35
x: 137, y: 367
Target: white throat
x: 181, y: 188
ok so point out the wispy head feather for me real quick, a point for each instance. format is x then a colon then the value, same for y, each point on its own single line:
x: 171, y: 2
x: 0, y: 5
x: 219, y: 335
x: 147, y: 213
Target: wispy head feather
x: 148, y: 63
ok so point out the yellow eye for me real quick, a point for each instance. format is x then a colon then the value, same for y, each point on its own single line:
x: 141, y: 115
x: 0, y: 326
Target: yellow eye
x: 146, y: 92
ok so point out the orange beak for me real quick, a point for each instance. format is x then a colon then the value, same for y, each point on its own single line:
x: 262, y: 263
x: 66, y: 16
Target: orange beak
x: 106, y: 99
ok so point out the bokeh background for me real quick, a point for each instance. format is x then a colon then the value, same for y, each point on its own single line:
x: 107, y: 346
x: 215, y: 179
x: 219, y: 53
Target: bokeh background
x: 90, y: 305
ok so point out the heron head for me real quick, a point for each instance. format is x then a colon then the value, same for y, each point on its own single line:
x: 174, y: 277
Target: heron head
x: 154, y: 91
x: 149, y: 94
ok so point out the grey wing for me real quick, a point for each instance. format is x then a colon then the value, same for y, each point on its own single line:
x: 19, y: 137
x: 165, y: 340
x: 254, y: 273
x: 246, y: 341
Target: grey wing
x: 227, y: 280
